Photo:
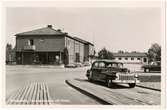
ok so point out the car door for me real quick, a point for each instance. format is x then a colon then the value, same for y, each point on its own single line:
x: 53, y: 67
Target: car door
x: 101, y: 69
x: 94, y: 70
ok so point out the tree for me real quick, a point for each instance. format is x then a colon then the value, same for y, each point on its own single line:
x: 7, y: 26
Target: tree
x: 9, y: 47
x: 134, y: 52
x: 154, y: 52
x: 120, y: 51
x: 8, y: 53
x: 105, y: 54
x: 66, y: 56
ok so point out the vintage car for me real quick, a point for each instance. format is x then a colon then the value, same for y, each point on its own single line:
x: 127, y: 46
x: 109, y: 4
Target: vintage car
x: 153, y: 66
x: 71, y: 65
x: 110, y: 72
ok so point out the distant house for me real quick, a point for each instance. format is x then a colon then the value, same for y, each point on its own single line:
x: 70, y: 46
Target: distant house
x: 138, y: 58
x: 132, y: 61
x: 47, y: 46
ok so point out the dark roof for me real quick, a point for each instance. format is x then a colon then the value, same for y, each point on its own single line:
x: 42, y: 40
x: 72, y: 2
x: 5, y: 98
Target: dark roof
x: 83, y: 41
x: 42, y: 31
x: 79, y: 39
x: 130, y: 54
x: 50, y: 31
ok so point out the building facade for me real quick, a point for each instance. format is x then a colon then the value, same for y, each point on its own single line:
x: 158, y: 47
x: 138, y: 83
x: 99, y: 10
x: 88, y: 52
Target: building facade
x: 46, y: 46
x: 133, y: 61
x: 134, y: 58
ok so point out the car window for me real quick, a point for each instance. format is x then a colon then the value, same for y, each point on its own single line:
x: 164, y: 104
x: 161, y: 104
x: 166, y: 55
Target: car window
x: 101, y: 65
x: 120, y: 65
x: 153, y: 63
x: 95, y: 65
x: 114, y: 65
x: 109, y: 65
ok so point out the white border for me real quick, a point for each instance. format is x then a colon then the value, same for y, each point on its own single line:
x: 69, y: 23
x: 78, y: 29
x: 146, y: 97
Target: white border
x: 96, y: 3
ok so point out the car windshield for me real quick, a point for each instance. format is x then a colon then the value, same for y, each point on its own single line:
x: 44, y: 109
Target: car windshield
x: 118, y: 65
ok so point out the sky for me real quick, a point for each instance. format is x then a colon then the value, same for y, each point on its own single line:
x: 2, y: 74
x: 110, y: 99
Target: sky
x: 115, y: 28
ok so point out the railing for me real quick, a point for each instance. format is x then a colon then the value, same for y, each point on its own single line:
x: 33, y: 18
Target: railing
x: 29, y: 47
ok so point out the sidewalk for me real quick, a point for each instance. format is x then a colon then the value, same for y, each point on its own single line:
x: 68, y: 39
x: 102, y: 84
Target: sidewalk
x: 116, y: 96
x: 150, y: 85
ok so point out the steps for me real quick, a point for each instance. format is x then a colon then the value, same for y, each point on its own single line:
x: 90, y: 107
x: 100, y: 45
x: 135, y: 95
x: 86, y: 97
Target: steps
x: 35, y: 93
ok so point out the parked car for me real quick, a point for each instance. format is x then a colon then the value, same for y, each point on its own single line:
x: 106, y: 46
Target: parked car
x: 71, y: 65
x: 87, y: 64
x: 110, y: 72
x: 153, y: 66
x: 78, y: 64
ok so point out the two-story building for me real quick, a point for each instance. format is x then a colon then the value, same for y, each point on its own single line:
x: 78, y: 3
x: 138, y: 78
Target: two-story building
x: 47, y: 46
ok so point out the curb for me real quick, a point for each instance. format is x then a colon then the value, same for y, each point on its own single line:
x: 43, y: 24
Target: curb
x: 148, y: 88
x: 100, y: 100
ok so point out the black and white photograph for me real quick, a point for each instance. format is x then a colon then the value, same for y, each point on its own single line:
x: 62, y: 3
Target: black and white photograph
x: 84, y: 55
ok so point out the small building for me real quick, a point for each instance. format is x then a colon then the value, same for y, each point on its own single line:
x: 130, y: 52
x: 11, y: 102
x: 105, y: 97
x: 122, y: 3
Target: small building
x: 135, y: 58
x: 132, y: 60
x: 50, y: 46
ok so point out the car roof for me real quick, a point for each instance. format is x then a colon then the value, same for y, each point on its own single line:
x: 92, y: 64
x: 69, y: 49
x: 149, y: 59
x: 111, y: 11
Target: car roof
x: 107, y: 61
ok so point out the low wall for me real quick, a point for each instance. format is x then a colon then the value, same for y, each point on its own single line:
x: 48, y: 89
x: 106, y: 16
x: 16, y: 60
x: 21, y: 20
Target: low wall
x: 150, y: 78
x: 133, y: 67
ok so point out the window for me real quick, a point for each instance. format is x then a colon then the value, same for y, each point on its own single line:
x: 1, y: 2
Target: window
x: 138, y: 58
x: 101, y: 64
x: 31, y: 42
x: 77, y: 57
x: 68, y: 42
x: 119, y: 58
x: 126, y: 58
x: 120, y: 65
x: 145, y: 59
x: 41, y: 40
x: 114, y: 65
x: 132, y: 58
x: 95, y: 64
x: 109, y: 65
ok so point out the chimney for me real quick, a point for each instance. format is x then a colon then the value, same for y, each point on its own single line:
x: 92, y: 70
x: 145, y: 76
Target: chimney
x: 49, y: 26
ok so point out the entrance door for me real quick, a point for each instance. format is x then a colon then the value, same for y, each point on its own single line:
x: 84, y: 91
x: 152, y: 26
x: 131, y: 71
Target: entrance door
x: 77, y: 57
x: 101, y: 67
x: 27, y: 58
x: 42, y: 58
x: 95, y: 71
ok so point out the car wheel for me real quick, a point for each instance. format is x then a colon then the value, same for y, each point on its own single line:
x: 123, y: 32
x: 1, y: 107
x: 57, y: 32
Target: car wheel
x: 109, y: 83
x: 132, y: 85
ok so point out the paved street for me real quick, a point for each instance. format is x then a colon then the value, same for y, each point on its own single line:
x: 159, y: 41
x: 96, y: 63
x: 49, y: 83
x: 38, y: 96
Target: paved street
x: 54, y: 79
x: 18, y: 76
x: 118, y: 94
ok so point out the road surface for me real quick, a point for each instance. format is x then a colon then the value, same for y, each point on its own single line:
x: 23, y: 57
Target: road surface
x: 60, y: 92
